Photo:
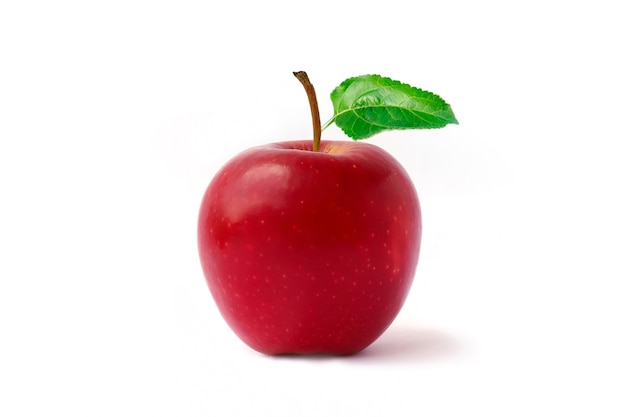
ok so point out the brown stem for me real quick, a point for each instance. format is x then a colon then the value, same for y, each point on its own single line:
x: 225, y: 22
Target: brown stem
x: 315, y: 112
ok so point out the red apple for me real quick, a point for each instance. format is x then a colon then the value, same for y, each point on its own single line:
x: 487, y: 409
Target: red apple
x: 310, y: 251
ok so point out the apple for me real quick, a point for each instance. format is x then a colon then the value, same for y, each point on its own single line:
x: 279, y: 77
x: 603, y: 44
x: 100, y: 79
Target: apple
x: 310, y: 251
x: 310, y: 247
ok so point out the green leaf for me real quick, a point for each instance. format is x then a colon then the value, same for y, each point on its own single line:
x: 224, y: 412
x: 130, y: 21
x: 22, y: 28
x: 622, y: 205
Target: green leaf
x: 369, y: 104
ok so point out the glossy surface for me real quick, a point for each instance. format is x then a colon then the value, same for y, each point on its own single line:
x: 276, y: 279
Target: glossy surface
x: 310, y: 252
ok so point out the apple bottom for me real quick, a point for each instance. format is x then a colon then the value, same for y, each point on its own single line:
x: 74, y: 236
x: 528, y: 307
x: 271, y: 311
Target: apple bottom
x: 310, y: 252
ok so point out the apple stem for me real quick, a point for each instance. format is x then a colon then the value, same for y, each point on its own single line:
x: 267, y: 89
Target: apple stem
x: 315, y: 112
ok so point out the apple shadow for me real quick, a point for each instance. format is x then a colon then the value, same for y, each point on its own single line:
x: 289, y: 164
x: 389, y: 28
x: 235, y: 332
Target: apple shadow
x: 408, y: 344
x: 400, y: 343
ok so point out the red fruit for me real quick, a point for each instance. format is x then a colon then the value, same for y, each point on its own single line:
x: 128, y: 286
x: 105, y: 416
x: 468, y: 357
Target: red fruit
x: 310, y: 252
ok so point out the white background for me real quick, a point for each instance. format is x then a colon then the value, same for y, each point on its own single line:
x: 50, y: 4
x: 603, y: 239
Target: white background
x: 115, y: 115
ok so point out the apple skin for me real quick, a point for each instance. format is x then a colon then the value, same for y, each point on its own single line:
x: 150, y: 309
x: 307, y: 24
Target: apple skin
x: 309, y: 252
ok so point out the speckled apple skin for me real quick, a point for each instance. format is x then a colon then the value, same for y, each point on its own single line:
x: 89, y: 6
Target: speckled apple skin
x: 310, y: 252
